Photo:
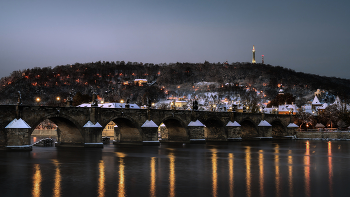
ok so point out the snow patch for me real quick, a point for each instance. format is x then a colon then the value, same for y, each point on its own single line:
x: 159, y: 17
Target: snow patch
x: 197, y: 123
x: 264, y: 123
x: 149, y: 123
x: 17, y: 124
x: 233, y: 124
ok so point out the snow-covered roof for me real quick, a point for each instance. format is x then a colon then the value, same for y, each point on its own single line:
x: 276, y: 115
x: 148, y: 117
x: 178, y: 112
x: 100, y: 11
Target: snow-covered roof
x: 17, y: 124
x: 233, y: 124
x: 196, y: 123
x: 264, y: 123
x: 149, y: 123
x: 287, y: 107
x: 162, y: 125
x: 89, y: 124
x: 116, y: 126
x: 323, y: 106
x: 111, y: 105
x: 316, y: 101
x: 292, y: 125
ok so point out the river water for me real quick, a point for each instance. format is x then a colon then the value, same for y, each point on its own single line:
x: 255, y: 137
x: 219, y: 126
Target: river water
x: 248, y: 168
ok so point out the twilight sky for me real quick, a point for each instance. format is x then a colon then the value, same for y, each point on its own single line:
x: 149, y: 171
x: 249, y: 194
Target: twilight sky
x: 309, y: 36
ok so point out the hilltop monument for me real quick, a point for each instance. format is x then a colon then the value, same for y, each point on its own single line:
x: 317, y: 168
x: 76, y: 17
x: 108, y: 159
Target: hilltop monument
x: 253, y: 60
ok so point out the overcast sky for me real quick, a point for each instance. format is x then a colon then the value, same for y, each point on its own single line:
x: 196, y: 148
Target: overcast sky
x: 309, y: 36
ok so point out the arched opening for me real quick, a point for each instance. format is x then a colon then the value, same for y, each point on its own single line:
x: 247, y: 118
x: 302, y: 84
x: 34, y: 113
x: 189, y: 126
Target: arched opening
x: 108, y: 131
x: 45, y: 129
x: 67, y: 132
x: 175, y: 130
x: 214, y: 130
x: 278, y: 130
x: 163, y: 132
x: 248, y: 129
x: 126, y: 131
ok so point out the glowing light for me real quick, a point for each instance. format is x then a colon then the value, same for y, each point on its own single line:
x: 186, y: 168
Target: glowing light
x: 231, y: 167
x: 172, y: 175
x: 121, y: 184
x: 122, y: 101
x: 38, y: 99
x: 277, y: 171
x: 58, y: 98
x: 214, y: 163
x: 37, y: 181
x: 248, y: 171
x: 153, y: 177
x: 57, y: 185
x: 101, y: 179
x: 261, y: 171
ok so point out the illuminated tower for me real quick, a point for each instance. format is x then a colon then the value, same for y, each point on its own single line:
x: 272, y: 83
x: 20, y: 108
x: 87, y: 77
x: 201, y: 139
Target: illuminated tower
x: 253, y: 60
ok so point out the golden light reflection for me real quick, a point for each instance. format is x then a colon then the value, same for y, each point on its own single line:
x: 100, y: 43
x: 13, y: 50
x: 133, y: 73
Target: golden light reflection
x: 214, y: 163
x: 261, y: 172
x: 277, y: 170
x: 121, y: 184
x: 231, y: 167
x: 172, y: 175
x: 248, y: 171
x: 101, y: 179
x: 307, y: 169
x: 37, y: 181
x: 290, y: 172
x: 153, y: 177
x: 330, y: 168
x: 57, y: 186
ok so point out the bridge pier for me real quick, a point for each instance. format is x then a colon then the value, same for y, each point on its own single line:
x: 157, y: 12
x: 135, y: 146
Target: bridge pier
x: 265, y: 130
x: 93, y: 135
x: 196, y: 130
x: 292, y: 129
x: 233, y: 131
x: 18, y: 136
x: 150, y: 133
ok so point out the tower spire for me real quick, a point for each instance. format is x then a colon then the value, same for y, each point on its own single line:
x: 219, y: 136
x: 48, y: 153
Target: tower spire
x: 253, y: 60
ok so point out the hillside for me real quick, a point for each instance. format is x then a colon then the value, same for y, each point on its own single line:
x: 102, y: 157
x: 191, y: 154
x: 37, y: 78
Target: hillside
x: 114, y: 81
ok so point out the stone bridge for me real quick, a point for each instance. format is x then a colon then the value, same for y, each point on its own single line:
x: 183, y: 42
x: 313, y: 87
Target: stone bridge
x: 83, y: 126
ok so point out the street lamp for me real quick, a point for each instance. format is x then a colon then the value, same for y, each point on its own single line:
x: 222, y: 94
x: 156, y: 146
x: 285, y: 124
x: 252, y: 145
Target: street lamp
x: 122, y: 101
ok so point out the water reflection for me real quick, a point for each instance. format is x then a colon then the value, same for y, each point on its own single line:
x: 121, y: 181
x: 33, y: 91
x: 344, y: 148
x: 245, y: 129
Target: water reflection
x: 121, y: 184
x: 330, y: 168
x: 261, y: 172
x: 248, y: 172
x: 214, y: 163
x: 153, y: 177
x: 101, y: 179
x: 290, y: 172
x: 231, y: 167
x: 277, y: 170
x: 307, y: 169
x: 172, y: 175
x: 57, y: 185
x: 37, y: 178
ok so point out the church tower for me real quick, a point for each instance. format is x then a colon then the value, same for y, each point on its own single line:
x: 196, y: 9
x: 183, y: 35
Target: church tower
x: 253, y: 60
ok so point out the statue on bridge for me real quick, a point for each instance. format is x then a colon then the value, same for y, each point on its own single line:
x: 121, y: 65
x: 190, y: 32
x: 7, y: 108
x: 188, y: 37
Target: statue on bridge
x: 19, y: 99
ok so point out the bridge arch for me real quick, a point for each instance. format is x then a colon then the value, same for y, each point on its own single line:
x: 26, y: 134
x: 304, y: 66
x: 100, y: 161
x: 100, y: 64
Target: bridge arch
x: 176, y: 129
x: 278, y: 129
x: 127, y: 130
x: 248, y: 128
x: 215, y: 129
x: 68, y: 130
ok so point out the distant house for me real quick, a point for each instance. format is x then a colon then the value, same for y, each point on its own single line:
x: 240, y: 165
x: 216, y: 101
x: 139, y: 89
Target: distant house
x: 287, y: 109
x: 140, y: 82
